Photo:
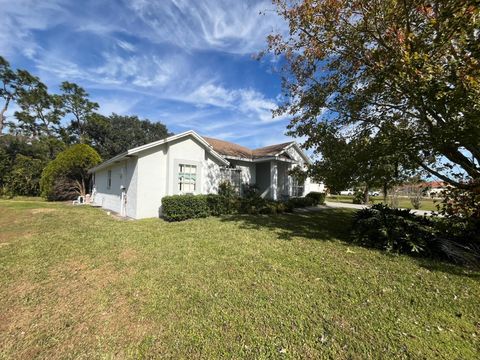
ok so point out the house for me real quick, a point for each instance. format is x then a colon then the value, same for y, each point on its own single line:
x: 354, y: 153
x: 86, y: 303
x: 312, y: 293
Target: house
x: 134, y: 182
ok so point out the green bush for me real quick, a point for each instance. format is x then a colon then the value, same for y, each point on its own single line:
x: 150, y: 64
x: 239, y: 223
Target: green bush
x: 300, y: 202
x: 317, y: 197
x: 358, y: 198
x: 393, y: 230
x: 183, y: 207
x: 221, y: 205
x: 226, y: 189
x: 400, y: 231
x: 24, y: 177
x: 67, y: 176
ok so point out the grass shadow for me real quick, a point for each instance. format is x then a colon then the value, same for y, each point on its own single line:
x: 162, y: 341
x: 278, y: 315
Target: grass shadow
x: 328, y: 225
x: 448, y: 268
x: 316, y: 225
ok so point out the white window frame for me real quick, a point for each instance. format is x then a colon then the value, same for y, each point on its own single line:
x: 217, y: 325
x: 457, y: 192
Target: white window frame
x: 187, y: 178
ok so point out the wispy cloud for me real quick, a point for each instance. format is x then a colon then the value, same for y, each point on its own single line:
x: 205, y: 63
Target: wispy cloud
x: 231, y: 26
x: 185, y: 63
x: 20, y: 19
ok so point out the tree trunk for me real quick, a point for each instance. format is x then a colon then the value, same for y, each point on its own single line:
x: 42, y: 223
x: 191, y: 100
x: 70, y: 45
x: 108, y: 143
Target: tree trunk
x: 365, y: 194
x: 2, y: 115
x: 385, y: 191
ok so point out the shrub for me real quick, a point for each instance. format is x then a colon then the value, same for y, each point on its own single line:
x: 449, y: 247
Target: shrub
x: 416, y: 201
x: 70, y: 170
x: 221, y: 205
x: 251, y: 205
x: 393, y: 230
x: 226, y: 189
x: 250, y: 191
x: 183, y: 207
x: 300, y: 202
x: 358, y: 197
x: 317, y: 197
x: 400, y: 231
x: 24, y: 177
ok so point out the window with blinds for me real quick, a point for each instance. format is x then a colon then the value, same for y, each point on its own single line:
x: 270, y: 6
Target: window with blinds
x: 187, y: 178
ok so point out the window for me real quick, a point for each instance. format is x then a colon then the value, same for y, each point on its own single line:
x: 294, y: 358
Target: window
x: 187, y: 178
x: 234, y: 177
x: 297, y: 188
x: 109, y: 179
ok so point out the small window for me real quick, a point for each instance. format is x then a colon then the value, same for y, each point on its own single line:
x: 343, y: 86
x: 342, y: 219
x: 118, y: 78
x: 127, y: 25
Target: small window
x: 187, y: 178
x: 109, y: 179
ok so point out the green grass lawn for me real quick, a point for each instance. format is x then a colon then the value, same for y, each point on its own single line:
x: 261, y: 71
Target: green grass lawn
x: 403, y: 202
x: 76, y: 283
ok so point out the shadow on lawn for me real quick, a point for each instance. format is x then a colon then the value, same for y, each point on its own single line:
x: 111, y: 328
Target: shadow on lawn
x: 452, y: 269
x: 317, y: 225
x: 331, y: 224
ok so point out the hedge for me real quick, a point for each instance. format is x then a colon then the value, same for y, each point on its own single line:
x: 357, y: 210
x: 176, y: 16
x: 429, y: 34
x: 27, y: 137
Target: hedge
x: 300, y: 202
x: 183, y: 207
x: 317, y: 197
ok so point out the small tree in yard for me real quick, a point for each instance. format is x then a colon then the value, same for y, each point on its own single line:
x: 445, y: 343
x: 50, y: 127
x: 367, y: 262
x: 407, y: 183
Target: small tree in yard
x: 67, y: 175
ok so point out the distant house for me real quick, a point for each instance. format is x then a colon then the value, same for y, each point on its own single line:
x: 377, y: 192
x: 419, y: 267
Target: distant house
x: 435, y: 188
x: 134, y: 182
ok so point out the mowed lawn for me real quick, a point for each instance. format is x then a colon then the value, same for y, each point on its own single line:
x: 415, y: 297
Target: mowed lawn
x: 77, y: 283
x: 427, y: 204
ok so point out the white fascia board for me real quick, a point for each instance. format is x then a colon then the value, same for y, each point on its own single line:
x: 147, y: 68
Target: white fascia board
x: 277, y: 158
x: 238, y: 158
x: 299, y: 149
x: 134, y: 151
x: 109, y: 162
x: 179, y: 136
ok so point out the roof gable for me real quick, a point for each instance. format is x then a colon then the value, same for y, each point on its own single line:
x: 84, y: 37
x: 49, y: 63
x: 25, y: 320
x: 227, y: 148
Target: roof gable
x: 138, y: 149
x: 229, y: 149
x: 271, y: 150
x: 232, y: 150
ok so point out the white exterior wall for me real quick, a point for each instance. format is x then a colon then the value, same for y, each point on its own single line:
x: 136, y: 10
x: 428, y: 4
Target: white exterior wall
x: 152, y: 181
x: 158, y: 173
x: 124, y: 174
x: 311, y: 186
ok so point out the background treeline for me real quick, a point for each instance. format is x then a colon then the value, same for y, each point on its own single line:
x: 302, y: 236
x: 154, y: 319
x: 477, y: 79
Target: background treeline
x: 45, y: 124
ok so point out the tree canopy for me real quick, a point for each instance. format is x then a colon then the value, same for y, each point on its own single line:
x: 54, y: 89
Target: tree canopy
x: 407, y: 71
x: 115, y: 134
x: 46, y: 123
x: 67, y: 174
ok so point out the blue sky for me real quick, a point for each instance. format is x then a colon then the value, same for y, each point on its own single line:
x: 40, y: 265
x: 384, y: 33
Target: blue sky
x: 185, y: 63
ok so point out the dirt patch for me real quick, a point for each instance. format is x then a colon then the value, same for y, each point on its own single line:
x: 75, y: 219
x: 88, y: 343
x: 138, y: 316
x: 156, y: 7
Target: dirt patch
x: 42, y: 211
x: 80, y: 306
x: 128, y: 255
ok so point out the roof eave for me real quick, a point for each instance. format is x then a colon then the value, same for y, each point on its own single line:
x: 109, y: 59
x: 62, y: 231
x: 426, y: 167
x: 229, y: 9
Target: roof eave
x: 134, y: 151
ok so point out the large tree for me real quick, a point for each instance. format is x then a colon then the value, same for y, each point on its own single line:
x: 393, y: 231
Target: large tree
x: 13, y: 83
x: 115, y: 134
x: 40, y: 112
x: 367, y: 161
x: 76, y: 103
x: 406, y: 70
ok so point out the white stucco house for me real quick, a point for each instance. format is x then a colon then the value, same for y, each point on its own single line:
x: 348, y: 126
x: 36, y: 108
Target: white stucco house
x: 133, y: 183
